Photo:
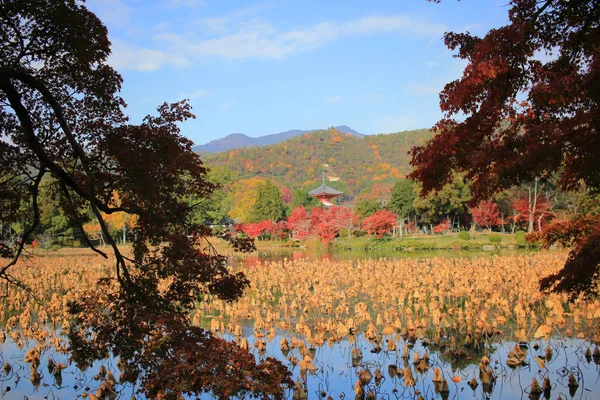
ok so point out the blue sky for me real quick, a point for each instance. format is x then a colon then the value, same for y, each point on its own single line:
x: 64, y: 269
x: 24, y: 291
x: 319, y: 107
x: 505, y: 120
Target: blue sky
x: 265, y: 67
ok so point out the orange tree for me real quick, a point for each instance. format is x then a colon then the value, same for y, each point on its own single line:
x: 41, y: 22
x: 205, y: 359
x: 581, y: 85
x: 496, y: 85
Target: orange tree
x: 527, y: 107
x: 60, y: 115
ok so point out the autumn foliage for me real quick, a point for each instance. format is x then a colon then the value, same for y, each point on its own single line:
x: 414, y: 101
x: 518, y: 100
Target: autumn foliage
x: 63, y: 125
x: 486, y: 214
x: 540, y: 214
x: 441, y: 227
x: 380, y: 223
x: 526, y: 107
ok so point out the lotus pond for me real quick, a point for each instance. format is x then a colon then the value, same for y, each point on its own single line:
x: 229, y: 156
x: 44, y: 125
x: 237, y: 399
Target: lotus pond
x: 434, y: 327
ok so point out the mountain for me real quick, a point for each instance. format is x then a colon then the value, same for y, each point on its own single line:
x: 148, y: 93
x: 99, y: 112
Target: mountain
x: 239, y: 140
x: 351, y: 163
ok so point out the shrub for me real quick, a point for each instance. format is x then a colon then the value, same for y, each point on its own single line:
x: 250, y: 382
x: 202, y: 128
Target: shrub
x: 55, y: 247
x: 464, y: 235
x: 343, y: 233
x: 520, y: 238
x: 495, y: 238
x: 358, y: 233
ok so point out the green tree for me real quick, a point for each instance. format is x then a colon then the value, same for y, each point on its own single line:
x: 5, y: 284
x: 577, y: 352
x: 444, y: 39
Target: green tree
x: 403, y: 198
x: 214, y: 208
x: 269, y: 204
x: 448, y: 203
x: 367, y: 207
x: 301, y: 197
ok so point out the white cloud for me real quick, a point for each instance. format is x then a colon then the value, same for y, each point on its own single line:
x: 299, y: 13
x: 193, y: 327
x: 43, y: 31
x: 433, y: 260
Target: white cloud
x: 257, y: 39
x: 217, y: 25
x: 126, y: 57
x: 335, y: 99
x: 240, y: 36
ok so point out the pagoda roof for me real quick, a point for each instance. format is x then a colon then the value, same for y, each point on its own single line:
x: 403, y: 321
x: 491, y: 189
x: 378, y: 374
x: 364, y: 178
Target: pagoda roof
x: 324, y: 189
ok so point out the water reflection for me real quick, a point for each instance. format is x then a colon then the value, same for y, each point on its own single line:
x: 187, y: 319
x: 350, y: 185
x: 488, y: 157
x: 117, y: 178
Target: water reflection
x: 340, y: 368
x: 314, y: 254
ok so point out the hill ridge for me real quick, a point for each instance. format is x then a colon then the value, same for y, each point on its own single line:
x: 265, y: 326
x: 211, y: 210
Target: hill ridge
x: 354, y: 163
x: 240, y: 140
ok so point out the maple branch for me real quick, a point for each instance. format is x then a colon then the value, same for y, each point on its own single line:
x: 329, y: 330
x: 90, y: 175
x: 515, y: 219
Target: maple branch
x: 34, y: 224
x: 64, y: 177
x: 78, y: 150
x: 10, y: 22
x: 86, y: 238
x: 541, y: 10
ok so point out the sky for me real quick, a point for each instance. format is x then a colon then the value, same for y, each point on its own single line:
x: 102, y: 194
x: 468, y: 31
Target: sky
x: 265, y: 67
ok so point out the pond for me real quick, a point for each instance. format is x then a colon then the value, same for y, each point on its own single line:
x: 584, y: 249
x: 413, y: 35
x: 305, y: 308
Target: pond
x: 316, y: 254
x: 337, y: 373
x: 394, y: 324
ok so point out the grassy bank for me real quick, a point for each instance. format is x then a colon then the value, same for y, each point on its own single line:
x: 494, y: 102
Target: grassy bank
x: 428, y: 242
x: 363, y: 243
x: 407, y: 243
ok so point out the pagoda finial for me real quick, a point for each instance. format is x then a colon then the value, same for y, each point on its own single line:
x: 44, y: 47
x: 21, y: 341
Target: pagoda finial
x: 323, y: 175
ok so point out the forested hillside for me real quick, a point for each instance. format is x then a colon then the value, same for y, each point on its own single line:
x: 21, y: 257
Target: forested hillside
x: 298, y: 163
x: 239, y: 140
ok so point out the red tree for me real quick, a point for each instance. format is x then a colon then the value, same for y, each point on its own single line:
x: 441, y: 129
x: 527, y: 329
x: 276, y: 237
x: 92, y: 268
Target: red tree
x: 486, y: 214
x: 540, y: 213
x: 341, y: 218
x: 279, y: 230
x: 255, y: 230
x: 441, y: 227
x: 299, y: 223
x: 380, y: 223
x: 515, y: 116
x: 322, y: 224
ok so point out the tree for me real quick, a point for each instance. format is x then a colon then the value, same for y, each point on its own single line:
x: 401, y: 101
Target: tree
x: 322, y: 225
x: 441, y: 227
x: 528, y: 212
x: 299, y: 223
x: 302, y: 198
x: 523, y: 116
x: 367, y: 207
x: 380, y: 223
x: 486, y: 214
x: 450, y: 201
x: 403, y: 197
x: 342, y: 218
x: 241, y: 197
x: 213, y: 209
x: 61, y: 116
x: 402, y: 202
x: 269, y: 204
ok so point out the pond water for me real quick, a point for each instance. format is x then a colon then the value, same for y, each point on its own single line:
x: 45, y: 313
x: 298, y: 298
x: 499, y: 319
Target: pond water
x: 337, y: 373
x: 317, y: 254
x: 337, y: 366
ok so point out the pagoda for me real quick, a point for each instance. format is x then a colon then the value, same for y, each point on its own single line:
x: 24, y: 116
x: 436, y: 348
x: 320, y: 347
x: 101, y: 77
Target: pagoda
x: 324, y: 193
